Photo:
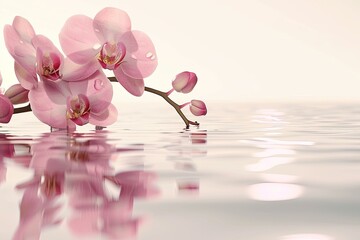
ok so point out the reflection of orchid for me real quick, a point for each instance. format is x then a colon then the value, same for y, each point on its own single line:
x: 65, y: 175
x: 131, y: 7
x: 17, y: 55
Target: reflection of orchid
x: 77, y: 166
x: 93, y: 204
x: 6, y: 150
x: 36, y: 212
x: 57, y: 152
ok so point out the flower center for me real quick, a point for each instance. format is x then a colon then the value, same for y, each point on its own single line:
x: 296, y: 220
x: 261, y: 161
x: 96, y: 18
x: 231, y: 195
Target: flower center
x: 49, y: 66
x: 111, y: 55
x: 78, y: 109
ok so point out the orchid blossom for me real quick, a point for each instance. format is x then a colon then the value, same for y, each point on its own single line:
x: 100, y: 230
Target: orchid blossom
x: 75, y: 103
x: 65, y: 91
x: 109, y: 40
x: 62, y: 93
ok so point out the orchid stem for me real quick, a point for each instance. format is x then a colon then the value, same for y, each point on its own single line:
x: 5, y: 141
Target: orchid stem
x: 171, y: 102
x: 169, y: 92
x: 22, y: 109
x: 164, y: 95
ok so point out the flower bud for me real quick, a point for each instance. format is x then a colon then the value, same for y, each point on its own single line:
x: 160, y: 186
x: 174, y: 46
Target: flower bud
x: 6, y: 109
x: 17, y: 94
x: 185, y: 82
x: 198, y: 108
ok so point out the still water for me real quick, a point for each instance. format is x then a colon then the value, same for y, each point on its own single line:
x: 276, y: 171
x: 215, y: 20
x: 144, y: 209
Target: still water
x: 255, y: 172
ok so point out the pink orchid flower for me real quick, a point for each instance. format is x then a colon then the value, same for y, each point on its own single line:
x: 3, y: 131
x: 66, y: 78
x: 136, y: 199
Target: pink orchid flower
x: 36, y: 212
x: 67, y: 94
x: 37, y: 58
x: 75, y: 103
x: 109, y: 40
x: 6, y: 107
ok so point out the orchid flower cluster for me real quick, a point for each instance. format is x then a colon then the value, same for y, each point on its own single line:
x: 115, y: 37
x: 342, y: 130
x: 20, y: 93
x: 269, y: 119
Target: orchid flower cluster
x: 71, y: 89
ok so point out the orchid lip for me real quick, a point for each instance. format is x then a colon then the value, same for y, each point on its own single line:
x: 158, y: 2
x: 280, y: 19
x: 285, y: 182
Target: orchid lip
x: 78, y: 109
x: 111, y: 55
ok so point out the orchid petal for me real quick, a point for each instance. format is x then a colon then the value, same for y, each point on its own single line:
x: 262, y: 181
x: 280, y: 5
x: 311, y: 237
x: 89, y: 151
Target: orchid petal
x: 6, y: 109
x: 110, y: 23
x: 27, y: 80
x: 23, y: 28
x: 11, y: 38
x: 78, y: 87
x: 25, y: 55
x: 106, y: 118
x: 140, y: 60
x: 46, y: 110
x: 78, y: 72
x: 78, y: 40
x: 57, y: 91
x: 1, y: 80
x: 40, y: 41
x: 17, y: 94
x: 134, y: 86
x: 100, y: 92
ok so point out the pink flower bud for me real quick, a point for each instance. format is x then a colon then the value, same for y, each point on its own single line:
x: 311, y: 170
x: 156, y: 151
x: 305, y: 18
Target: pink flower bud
x: 198, y: 108
x: 6, y: 109
x: 17, y: 94
x: 185, y: 82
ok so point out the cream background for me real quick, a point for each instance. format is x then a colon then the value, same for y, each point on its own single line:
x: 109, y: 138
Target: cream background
x: 254, y: 50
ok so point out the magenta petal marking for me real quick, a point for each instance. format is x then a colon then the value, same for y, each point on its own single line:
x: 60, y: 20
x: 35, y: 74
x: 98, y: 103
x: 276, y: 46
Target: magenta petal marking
x: 49, y: 59
x: 78, y: 109
x: 111, y: 55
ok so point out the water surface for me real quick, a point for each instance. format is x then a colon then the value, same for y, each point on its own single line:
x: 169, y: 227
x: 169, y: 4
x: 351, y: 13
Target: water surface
x: 257, y: 172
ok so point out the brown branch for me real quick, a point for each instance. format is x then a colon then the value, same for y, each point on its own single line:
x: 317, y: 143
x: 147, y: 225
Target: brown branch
x: 22, y: 109
x: 147, y: 89
x: 171, y: 102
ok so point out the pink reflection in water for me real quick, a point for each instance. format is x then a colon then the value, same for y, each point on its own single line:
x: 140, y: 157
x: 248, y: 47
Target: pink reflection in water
x: 78, y: 167
x: 6, y: 150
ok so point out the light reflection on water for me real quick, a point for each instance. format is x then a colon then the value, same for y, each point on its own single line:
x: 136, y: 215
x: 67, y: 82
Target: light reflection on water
x: 249, y: 172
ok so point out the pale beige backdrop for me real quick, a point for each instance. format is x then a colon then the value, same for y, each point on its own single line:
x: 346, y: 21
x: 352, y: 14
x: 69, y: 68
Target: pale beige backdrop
x: 254, y: 50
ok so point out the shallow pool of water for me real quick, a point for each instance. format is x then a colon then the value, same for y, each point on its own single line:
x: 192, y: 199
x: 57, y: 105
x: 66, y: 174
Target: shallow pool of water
x: 250, y: 171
